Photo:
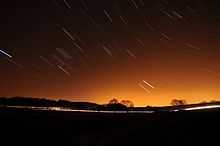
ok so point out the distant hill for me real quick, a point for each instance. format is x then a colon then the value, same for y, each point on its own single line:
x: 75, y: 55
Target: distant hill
x: 191, y: 105
x: 42, y: 102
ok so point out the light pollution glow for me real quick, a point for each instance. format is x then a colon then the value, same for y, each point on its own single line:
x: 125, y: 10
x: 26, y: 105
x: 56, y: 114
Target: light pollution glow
x: 148, y: 53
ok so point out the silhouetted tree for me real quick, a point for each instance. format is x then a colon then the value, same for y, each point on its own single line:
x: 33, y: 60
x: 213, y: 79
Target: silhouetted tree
x: 127, y: 103
x: 178, y: 102
x: 115, y: 105
x: 113, y: 101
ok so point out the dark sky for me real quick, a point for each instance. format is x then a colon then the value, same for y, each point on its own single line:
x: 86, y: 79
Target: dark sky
x: 148, y: 51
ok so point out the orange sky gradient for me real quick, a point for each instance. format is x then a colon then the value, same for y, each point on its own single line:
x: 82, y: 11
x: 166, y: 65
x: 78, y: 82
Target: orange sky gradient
x: 108, y: 48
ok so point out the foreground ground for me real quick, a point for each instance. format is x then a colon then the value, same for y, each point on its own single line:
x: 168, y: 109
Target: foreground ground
x: 184, y: 128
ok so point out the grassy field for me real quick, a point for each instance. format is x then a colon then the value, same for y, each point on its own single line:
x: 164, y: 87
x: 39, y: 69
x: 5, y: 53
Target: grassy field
x: 184, y: 128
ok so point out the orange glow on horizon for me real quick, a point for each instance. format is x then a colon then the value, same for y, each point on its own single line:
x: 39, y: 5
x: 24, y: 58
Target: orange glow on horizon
x: 160, y: 101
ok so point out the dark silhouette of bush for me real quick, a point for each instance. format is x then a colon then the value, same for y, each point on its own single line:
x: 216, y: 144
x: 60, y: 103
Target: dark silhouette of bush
x: 127, y: 103
x: 115, y: 105
x: 178, y: 102
x: 113, y: 101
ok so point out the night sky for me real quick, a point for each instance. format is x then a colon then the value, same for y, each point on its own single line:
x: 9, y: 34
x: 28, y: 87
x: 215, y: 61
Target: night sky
x: 147, y: 51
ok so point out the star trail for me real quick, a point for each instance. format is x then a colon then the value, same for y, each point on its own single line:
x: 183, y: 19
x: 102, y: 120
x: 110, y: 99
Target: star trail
x: 146, y: 51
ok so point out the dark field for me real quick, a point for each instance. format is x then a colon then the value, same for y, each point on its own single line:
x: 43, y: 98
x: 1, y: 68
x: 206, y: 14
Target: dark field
x: 185, y: 128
